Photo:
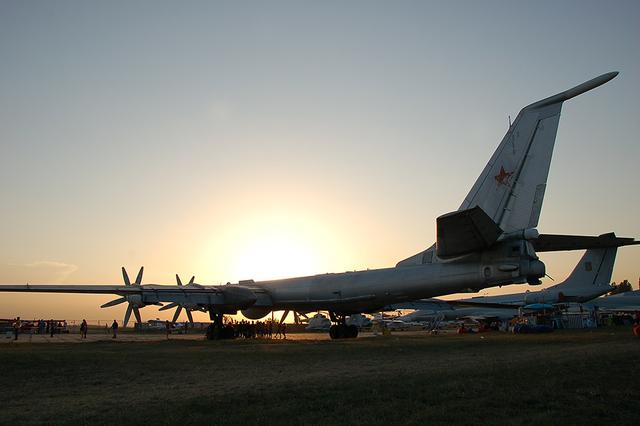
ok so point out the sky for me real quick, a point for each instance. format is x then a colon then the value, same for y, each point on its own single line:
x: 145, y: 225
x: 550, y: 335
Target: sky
x: 253, y: 140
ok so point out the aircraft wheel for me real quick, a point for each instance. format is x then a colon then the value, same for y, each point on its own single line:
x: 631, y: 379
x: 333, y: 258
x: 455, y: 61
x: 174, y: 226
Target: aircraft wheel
x: 333, y: 332
x: 352, y: 331
x: 210, y: 332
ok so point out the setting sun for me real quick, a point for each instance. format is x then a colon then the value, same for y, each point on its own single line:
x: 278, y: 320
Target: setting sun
x: 267, y: 245
x: 275, y: 253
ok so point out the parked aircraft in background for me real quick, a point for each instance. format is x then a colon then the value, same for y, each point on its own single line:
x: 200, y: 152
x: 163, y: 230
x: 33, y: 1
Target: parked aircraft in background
x: 487, y: 242
x: 359, y: 321
x: 590, y: 279
x: 318, y: 322
x: 628, y: 301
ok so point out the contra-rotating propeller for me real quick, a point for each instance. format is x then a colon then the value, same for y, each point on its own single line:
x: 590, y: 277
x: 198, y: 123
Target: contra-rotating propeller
x: 179, y: 306
x: 135, y: 301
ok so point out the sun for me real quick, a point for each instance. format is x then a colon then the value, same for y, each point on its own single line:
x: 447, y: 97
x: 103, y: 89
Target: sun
x: 275, y: 254
x: 265, y: 245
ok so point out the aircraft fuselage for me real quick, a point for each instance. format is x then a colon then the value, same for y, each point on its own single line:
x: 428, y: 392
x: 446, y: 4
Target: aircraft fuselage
x: 369, y: 290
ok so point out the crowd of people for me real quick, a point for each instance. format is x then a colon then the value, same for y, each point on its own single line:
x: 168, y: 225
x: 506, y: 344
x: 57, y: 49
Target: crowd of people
x: 268, y: 329
x: 41, y: 326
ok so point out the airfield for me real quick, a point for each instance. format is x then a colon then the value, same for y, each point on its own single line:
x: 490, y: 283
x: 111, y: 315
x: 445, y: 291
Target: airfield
x: 566, y: 377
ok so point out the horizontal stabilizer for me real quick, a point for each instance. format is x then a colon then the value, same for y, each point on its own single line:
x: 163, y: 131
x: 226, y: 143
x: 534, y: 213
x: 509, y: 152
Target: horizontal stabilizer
x: 554, y: 242
x: 464, y: 232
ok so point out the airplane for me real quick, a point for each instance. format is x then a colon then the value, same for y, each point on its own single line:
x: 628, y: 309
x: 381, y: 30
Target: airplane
x: 629, y: 301
x: 487, y: 242
x: 589, y: 279
x: 318, y: 322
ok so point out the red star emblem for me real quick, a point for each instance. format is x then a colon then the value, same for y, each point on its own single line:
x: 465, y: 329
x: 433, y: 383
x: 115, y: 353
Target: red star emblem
x: 503, y: 177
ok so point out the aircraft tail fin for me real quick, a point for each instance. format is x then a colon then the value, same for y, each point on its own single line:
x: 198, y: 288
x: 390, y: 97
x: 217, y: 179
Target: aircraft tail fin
x: 591, y: 275
x: 511, y: 187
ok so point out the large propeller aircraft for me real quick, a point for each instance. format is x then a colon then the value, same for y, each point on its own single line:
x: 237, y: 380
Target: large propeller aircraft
x: 489, y: 241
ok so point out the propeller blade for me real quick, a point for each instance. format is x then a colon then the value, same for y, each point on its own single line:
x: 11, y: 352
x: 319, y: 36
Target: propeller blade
x: 136, y: 312
x: 177, y: 314
x: 169, y: 306
x: 284, y: 317
x: 127, y: 315
x: 114, y: 302
x: 178, y: 280
x: 125, y: 276
x: 139, y: 277
x: 192, y: 278
x: 189, y: 316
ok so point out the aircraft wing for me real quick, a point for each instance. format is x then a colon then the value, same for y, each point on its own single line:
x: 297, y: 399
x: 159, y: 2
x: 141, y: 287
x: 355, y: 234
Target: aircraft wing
x: 495, y: 305
x: 122, y: 290
x: 221, y: 297
x: 71, y: 288
x: 422, y: 304
x: 554, y: 242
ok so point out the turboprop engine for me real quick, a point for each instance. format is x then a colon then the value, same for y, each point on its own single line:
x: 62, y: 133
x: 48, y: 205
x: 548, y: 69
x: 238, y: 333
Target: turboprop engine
x: 134, y: 300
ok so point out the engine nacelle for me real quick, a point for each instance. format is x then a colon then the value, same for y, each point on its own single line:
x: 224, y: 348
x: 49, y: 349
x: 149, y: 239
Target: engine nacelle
x: 536, y: 271
x: 255, y: 313
x: 135, y: 300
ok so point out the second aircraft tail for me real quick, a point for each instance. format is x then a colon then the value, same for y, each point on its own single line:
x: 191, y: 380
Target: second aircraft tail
x: 591, y: 277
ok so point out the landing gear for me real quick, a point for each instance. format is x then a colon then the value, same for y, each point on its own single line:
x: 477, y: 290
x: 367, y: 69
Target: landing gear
x: 341, y: 330
x: 217, y: 330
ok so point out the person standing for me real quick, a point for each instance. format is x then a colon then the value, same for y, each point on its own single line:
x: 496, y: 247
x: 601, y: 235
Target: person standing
x: 114, y: 329
x: 16, y: 328
x: 83, y: 329
x: 167, y: 326
x: 52, y: 327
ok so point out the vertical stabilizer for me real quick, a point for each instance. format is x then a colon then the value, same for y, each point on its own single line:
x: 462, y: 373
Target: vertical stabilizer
x: 512, y: 185
x: 591, y: 275
x: 511, y: 188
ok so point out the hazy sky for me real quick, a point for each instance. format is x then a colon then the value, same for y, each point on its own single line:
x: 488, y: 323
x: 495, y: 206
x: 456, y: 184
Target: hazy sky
x: 236, y: 140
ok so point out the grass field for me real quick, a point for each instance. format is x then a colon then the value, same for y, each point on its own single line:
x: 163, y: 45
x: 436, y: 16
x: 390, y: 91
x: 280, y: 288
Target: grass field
x: 571, y: 377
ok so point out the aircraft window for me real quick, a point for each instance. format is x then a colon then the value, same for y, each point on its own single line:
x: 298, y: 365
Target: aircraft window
x: 487, y: 272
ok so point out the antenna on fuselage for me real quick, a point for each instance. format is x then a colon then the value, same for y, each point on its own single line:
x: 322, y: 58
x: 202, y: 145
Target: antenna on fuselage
x: 509, y: 121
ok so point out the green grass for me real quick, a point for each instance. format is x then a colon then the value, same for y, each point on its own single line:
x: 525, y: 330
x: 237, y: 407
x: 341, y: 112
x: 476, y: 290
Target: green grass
x: 563, y: 378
